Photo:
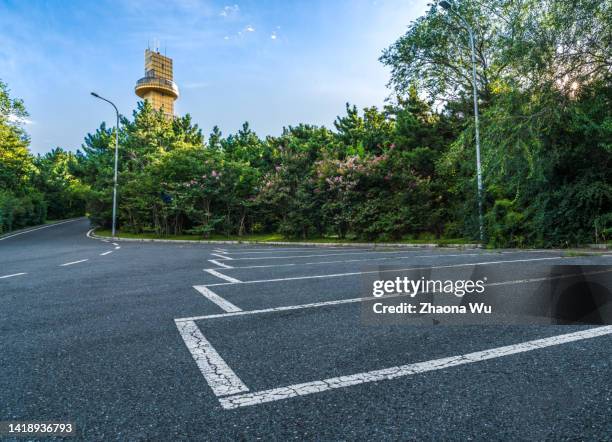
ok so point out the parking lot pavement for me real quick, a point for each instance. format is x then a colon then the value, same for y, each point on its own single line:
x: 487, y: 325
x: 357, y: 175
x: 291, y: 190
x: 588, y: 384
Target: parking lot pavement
x: 316, y: 344
x: 223, y: 342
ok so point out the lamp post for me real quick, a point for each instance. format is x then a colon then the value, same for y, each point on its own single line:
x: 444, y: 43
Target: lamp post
x: 448, y: 7
x: 116, y: 161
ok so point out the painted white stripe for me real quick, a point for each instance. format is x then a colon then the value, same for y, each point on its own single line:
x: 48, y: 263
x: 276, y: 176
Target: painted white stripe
x: 221, y: 302
x: 73, y: 262
x: 219, y: 251
x: 301, y: 249
x: 38, y: 228
x: 284, y: 308
x: 299, y: 264
x: 221, y: 256
x: 217, y: 373
x: 222, y: 276
x: 115, y: 244
x: 117, y: 248
x: 275, y: 394
x: 106, y: 253
x: 338, y: 275
x: 313, y: 256
x: 547, y: 278
x: 367, y: 298
x: 14, y: 274
x: 220, y: 264
x: 371, y: 252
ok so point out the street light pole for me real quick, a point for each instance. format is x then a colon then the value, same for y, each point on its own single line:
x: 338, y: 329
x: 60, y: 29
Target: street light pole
x: 447, y: 6
x: 116, y: 162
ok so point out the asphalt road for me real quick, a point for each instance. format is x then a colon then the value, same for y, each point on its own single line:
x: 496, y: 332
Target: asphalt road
x: 140, y: 341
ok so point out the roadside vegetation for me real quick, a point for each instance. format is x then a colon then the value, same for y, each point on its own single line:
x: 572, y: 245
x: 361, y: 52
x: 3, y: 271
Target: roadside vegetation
x: 402, y: 173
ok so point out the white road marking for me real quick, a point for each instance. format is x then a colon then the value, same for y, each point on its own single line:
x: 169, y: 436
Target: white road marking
x: 546, y: 278
x: 312, y: 256
x: 221, y: 302
x: 217, y: 373
x: 302, y: 249
x: 275, y: 394
x: 338, y: 275
x: 106, y: 253
x: 38, y: 228
x: 285, y: 308
x: 370, y: 252
x: 219, y: 251
x: 14, y: 274
x: 369, y: 298
x: 73, y: 262
x: 117, y: 248
x: 221, y: 256
x: 222, y: 276
x: 115, y: 244
x: 298, y: 264
x: 220, y: 264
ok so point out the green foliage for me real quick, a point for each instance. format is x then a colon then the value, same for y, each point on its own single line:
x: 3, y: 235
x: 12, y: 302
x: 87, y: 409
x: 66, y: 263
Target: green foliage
x: 56, y: 178
x: 404, y: 171
x: 21, y: 204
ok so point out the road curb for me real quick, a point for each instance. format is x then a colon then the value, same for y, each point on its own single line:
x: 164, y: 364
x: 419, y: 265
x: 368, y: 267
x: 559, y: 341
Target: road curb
x: 91, y: 234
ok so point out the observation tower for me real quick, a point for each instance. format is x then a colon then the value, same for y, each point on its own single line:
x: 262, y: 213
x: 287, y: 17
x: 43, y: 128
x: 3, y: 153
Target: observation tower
x: 158, y: 86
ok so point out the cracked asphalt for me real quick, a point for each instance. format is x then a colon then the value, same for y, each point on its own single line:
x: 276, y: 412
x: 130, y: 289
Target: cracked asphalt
x: 91, y: 337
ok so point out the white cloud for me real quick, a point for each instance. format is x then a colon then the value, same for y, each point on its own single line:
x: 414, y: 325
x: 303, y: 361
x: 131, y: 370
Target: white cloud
x: 229, y: 11
x: 273, y: 36
x: 249, y: 28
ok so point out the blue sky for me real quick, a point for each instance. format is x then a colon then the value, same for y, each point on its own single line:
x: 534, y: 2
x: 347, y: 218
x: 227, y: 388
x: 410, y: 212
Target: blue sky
x: 272, y: 63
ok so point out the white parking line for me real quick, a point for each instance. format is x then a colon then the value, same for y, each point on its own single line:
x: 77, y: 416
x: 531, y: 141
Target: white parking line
x: 371, y: 252
x: 212, y: 296
x: 312, y: 256
x: 298, y: 264
x: 338, y: 275
x: 73, y: 262
x: 276, y: 394
x: 106, y: 253
x: 221, y: 256
x: 371, y: 298
x: 217, y: 373
x: 220, y: 264
x: 222, y: 276
x: 38, y: 228
x: 302, y: 249
x: 14, y: 274
x: 284, y: 308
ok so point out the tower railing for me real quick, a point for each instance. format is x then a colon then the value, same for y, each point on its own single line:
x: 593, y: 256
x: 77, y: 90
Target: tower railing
x: 156, y: 82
